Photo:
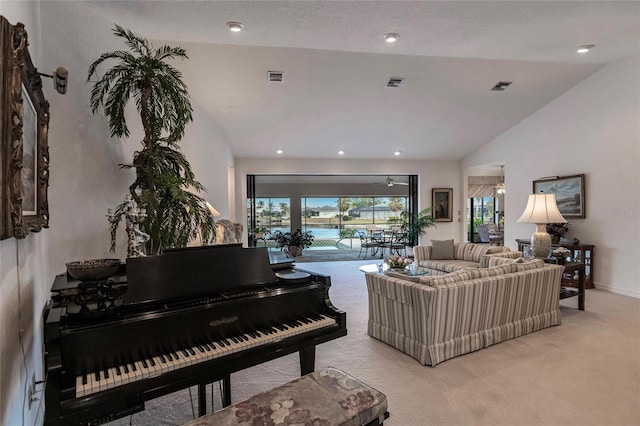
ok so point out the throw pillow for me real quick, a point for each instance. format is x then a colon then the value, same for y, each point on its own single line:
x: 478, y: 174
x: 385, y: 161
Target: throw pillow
x: 442, y: 250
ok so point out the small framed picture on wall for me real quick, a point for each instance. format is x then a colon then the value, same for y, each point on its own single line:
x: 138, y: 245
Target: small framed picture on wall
x: 442, y: 204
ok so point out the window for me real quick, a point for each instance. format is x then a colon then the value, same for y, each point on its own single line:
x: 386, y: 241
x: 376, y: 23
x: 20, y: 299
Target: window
x: 273, y: 214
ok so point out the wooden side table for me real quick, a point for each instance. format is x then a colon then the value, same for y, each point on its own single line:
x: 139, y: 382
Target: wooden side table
x: 583, y: 253
x: 573, y: 270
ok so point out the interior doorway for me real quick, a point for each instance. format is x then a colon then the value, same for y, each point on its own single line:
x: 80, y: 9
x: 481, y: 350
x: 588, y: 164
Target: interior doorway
x: 486, y: 190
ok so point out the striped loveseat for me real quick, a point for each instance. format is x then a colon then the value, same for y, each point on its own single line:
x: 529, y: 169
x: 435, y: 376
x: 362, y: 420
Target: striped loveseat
x: 435, y: 318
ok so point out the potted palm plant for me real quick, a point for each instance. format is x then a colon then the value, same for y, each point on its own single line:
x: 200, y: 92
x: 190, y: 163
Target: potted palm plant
x: 414, y: 226
x: 293, y: 242
x: 174, y: 214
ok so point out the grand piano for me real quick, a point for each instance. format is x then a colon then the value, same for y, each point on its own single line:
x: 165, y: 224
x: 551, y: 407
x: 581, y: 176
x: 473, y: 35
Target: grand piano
x: 163, y: 323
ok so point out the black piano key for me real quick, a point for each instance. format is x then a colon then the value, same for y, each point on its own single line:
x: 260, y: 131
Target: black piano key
x: 234, y: 340
x: 106, y: 373
x: 200, y: 348
x: 162, y: 358
x: 152, y: 362
x: 118, y: 370
x: 207, y: 347
x: 144, y: 363
x: 84, y: 379
x: 184, y: 352
x: 126, y: 368
x: 133, y: 366
x: 191, y: 351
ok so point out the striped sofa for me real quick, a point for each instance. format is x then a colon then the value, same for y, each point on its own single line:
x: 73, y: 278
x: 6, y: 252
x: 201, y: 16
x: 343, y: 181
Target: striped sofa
x: 465, y: 256
x: 435, y: 318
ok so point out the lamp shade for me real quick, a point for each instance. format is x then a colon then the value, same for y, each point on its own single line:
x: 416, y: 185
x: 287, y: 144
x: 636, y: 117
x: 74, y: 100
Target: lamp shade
x: 542, y: 208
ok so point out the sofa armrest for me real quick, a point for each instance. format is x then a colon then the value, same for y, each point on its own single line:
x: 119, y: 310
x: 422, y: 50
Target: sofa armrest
x: 484, y: 261
x: 421, y: 253
x: 396, y: 304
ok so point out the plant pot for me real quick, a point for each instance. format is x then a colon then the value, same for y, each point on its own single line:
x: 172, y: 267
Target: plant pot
x: 294, y: 251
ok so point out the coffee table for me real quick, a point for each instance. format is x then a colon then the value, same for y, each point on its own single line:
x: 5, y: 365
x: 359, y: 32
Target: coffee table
x: 413, y: 271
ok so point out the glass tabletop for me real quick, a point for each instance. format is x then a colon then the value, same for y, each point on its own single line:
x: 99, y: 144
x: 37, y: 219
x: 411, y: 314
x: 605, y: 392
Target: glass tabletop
x: 413, y: 270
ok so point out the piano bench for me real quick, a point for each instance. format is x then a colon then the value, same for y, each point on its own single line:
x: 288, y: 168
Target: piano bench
x: 326, y: 397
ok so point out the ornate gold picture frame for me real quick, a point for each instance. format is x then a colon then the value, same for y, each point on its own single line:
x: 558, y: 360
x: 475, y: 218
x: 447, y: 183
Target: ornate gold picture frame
x: 24, y: 125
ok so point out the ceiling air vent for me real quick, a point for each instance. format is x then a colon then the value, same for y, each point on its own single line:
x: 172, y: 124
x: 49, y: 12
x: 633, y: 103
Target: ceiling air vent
x: 275, y: 76
x: 501, y: 86
x: 394, y: 82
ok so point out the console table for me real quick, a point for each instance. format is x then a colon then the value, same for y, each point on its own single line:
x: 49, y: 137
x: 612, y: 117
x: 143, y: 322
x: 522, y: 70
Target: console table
x: 580, y: 253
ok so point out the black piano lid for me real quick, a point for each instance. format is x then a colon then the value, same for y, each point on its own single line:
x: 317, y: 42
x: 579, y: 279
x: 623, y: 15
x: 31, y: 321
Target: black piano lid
x: 196, y: 272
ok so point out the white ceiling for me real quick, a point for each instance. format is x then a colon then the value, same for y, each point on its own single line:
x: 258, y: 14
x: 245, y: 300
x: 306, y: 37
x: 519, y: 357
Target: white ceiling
x: 336, y: 65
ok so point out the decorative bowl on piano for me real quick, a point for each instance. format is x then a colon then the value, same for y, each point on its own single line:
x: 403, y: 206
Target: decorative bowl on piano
x: 93, y: 270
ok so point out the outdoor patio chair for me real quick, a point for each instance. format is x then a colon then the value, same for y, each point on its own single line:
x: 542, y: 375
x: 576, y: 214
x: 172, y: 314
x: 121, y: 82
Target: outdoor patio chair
x: 367, y: 244
x: 398, y: 243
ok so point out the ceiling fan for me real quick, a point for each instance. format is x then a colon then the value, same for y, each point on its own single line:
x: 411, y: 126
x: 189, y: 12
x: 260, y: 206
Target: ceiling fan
x: 390, y: 182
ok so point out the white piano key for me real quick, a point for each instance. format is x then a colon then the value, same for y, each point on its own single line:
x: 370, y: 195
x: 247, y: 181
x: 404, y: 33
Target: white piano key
x: 111, y: 383
x: 143, y: 370
x: 79, y: 387
x: 117, y: 378
x: 161, y: 367
x: 128, y: 376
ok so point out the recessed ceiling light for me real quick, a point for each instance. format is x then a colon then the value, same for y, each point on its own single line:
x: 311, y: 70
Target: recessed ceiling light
x: 396, y: 153
x: 341, y: 152
x: 236, y: 27
x: 279, y: 151
x: 391, y: 37
x: 584, y: 48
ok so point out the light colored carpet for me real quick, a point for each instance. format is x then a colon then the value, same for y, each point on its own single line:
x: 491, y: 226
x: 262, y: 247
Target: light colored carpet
x: 583, y: 372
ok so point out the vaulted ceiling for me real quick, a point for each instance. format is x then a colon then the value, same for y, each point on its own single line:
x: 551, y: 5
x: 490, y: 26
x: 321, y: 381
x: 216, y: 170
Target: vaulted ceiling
x: 336, y: 66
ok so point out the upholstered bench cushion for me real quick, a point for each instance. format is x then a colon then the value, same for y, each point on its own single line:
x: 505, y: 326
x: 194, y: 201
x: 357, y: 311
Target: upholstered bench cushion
x: 328, y: 397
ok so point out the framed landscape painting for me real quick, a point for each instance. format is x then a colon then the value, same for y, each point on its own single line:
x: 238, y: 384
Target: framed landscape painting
x: 569, y: 192
x: 442, y: 204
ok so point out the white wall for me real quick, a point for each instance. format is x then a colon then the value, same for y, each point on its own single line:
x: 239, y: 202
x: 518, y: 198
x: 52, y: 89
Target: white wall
x: 210, y: 157
x: 431, y: 174
x: 594, y: 129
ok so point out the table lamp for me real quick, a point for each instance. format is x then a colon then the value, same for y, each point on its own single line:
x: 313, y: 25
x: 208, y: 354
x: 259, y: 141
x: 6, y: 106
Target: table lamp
x: 541, y: 209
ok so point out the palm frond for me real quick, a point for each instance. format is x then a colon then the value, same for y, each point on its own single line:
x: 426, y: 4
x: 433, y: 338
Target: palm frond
x: 165, y: 51
x: 134, y: 41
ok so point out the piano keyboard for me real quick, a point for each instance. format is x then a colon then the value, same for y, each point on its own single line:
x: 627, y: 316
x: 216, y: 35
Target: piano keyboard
x: 130, y: 372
